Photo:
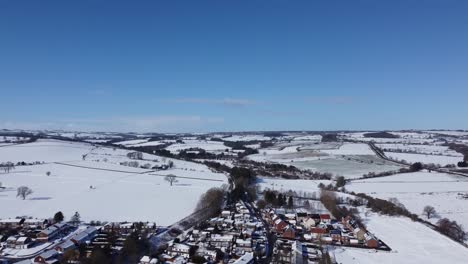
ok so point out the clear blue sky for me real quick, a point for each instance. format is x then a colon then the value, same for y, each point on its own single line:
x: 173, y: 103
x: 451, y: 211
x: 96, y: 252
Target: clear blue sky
x: 172, y: 66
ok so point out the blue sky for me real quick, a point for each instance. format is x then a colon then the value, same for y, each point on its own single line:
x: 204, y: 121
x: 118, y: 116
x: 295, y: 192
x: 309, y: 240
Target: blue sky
x: 196, y: 66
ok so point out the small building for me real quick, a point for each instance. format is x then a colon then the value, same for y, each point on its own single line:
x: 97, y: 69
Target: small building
x: 325, y: 218
x: 280, y: 225
x: 48, y: 257
x: 360, y: 234
x: 23, y: 242
x: 289, y: 233
x: 371, y: 241
x: 11, y: 241
x: 178, y: 249
x: 318, y: 230
x: 301, y: 216
x: 11, y: 222
x: 335, y: 235
x: 50, y: 232
x: 316, y: 217
x: 69, y: 244
x: 309, y: 223
x: 148, y: 260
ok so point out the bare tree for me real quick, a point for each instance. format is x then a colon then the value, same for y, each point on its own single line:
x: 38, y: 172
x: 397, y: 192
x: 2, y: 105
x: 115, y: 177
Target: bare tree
x: 75, y: 219
x: 429, y: 211
x: 23, y: 192
x: 170, y: 164
x: 211, y: 201
x: 7, y: 167
x: 48, y: 173
x: 171, y: 178
x: 451, y: 229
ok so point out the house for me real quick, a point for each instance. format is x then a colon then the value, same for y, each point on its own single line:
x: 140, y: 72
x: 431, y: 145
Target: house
x: 48, y: 257
x: 325, y: 218
x: 11, y: 241
x: 335, y: 235
x: 290, y: 217
x: 371, y: 241
x: 69, y: 244
x: 50, y: 232
x: 23, y: 242
x: 360, y: 234
x: 316, y: 217
x: 308, y: 223
x: 289, y: 233
x: 226, y: 214
x: 301, y: 216
x: 244, y: 244
x: 148, y: 260
x: 178, y: 249
x: 35, y: 223
x: 318, y: 230
x: 11, y: 222
x: 280, y: 225
x: 221, y: 241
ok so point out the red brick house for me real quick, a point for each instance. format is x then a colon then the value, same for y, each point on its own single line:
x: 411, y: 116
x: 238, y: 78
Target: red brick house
x: 318, y: 230
x: 280, y: 225
x: 289, y: 233
x: 325, y: 218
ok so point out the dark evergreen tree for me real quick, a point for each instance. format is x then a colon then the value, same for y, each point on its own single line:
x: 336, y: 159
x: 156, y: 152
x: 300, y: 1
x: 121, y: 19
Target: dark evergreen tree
x: 58, y: 217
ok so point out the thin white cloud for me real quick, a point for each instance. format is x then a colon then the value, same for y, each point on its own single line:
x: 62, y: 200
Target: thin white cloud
x: 123, y: 124
x: 211, y: 101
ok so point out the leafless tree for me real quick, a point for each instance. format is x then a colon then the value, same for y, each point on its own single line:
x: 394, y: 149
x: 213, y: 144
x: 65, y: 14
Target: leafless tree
x: 212, y: 201
x: 451, y: 229
x: 23, y: 192
x: 48, y: 173
x: 429, y: 211
x: 170, y: 164
x: 171, y: 178
x: 7, y: 167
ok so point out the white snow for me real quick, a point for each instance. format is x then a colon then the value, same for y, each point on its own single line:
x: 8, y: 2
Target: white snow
x: 209, y: 146
x: 416, y: 190
x: 119, y: 193
x: 350, y: 149
x: 424, y: 158
x: 131, y: 142
x: 45, y: 150
x: 411, y: 243
x: 247, y: 138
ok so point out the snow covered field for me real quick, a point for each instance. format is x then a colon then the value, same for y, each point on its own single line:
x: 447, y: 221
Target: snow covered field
x: 424, y: 158
x: 118, y: 193
x: 207, y: 145
x: 284, y: 185
x: 45, y: 150
x: 420, y: 149
x: 351, y: 160
x: 411, y: 243
x: 416, y: 190
x: 247, y: 138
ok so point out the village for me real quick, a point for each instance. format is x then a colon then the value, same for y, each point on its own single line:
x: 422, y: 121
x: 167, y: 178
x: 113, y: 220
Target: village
x: 241, y: 234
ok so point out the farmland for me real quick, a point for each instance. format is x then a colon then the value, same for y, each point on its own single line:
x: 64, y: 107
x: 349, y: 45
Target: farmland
x: 99, y: 187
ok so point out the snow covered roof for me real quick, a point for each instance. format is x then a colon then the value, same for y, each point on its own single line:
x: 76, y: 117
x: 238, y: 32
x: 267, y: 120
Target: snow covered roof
x: 11, y: 220
x: 145, y: 259
x: 22, y: 239
x: 49, y: 254
x: 247, y: 258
